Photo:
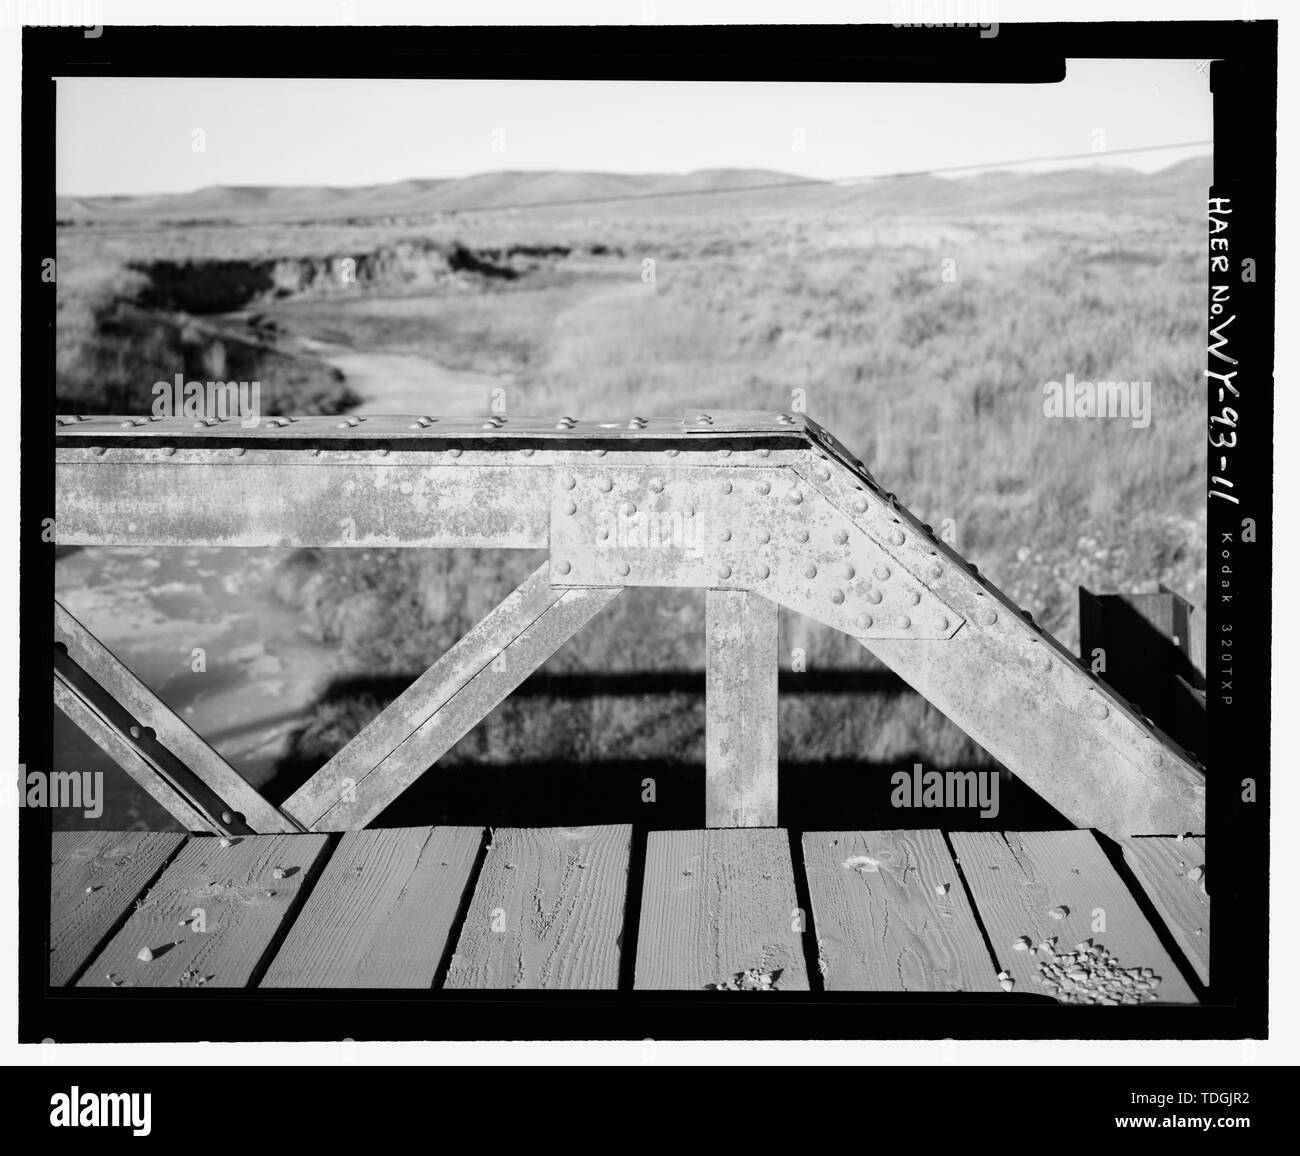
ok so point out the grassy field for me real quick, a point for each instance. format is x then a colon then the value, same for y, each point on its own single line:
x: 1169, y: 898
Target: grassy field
x: 922, y: 341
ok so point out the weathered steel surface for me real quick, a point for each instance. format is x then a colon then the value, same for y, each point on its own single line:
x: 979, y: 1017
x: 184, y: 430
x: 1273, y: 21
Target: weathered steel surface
x: 93, y: 657
x: 424, y: 428
x: 93, y: 719
x: 444, y: 704
x: 215, y: 497
x: 740, y: 777
x: 776, y: 506
x: 737, y: 527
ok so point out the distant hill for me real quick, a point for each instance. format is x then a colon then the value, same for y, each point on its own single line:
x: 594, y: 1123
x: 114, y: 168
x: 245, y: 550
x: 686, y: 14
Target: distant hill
x: 655, y: 194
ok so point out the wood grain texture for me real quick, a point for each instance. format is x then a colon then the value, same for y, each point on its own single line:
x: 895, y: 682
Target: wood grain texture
x: 740, y: 777
x: 547, y: 911
x: 1161, y: 865
x: 715, y: 904
x: 94, y: 877
x: 1018, y: 880
x: 243, y: 907
x: 382, y: 911
x: 892, y: 915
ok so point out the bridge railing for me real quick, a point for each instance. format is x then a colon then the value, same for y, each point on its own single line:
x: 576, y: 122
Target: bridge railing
x: 758, y: 509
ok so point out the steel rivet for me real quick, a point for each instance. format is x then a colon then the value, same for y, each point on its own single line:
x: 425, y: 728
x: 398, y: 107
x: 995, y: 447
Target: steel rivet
x: 167, y: 451
x: 726, y: 487
x: 570, y: 507
x: 763, y: 571
x: 724, y: 535
x: 990, y: 617
x: 796, y: 497
x: 810, y: 571
x: 528, y: 451
x: 941, y: 623
x: 881, y: 573
x: 904, y: 622
x: 603, y: 533
x: 724, y: 452
x: 837, y: 596
x: 656, y: 486
x: 98, y: 451
x: 1099, y: 710
x: 672, y: 453
x: 897, y: 538
x: 841, y: 537
x: 568, y: 481
x: 454, y: 452
x: 1157, y: 758
x: 382, y: 451
x: 724, y: 571
x: 913, y: 597
x: 873, y: 596
x: 1045, y: 662
x: 563, y: 567
x: 801, y: 535
x: 624, y: 568
x: 605, y: 485
x: 764, y: 487
x: 823, y: 474
x: 936, y: 572
x: 628, y: 508
x: 600, y: 453
x: 764, y: 453
x: 867, y: 621
x: 847, y: 570
x: 238, y: 451
x: 860, y: 504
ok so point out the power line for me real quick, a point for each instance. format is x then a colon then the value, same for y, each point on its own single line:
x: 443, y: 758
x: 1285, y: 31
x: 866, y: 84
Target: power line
x: 811, y: 182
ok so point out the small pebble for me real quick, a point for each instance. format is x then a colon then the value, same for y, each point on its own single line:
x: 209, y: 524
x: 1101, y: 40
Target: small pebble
x: 223, y: 842
x: 941, y: 889
x: 1194, y: 875
x: 144, y: 955
x: 90, y: 890
x: 1058, y: 913
x: 1007, y: 984
x: 1021, y: 944
x: 278, y: 873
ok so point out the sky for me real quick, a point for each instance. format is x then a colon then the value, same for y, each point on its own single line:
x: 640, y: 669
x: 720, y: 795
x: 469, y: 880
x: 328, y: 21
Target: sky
x: 137, y: 135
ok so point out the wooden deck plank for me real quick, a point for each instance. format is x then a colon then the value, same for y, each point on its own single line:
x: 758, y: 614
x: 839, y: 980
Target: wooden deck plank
x: 1172, y: 873
x: 716, y: 904
x: 891, y: 914
x: 232, y: 893
x: 382, y: 911
x: 547, y: 912
x: 94, y: 877
x: 1019, y: 880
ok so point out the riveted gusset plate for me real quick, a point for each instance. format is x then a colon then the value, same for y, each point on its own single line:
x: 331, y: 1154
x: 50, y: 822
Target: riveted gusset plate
x: 1017, y: 691
x: 736, y: 527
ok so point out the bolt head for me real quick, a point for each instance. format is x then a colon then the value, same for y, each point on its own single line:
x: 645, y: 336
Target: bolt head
x: 796, y: 497
x: 763, y: 571
x: 867, y: 622
x: 810, y: 571
x: 989, y: 617
x: 897, y: 538
x: 605, y: 485
x: 841, y: 537
x: 847, y: 570
x: 764, y: 536
x: 724, y: 571
x: 570, y: 507
x: 724, y: 535
x: 656, y: 486
x: 801, y: 535
x: 873, y: 596
x: 568, y: 481
x: 1099, y: 710
x: 860, y: 505
x: 837, y: 596
x: 914, y: 597
x: 941, y: 623
x: 881, y: 573
x: 764, y: 487
x: 562, y: 567
x: 624, y: 569
x: 903, y: 622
